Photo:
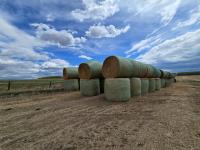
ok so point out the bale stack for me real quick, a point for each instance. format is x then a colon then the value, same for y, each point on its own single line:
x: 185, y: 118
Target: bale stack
x: 143, y: 78
x: 91, y: 79
x: 71, y: 79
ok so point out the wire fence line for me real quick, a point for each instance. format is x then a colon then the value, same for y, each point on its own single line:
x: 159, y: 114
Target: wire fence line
x: 29, y: 84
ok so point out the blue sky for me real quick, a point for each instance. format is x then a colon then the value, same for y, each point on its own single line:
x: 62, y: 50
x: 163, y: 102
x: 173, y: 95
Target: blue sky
x: 40, y: 37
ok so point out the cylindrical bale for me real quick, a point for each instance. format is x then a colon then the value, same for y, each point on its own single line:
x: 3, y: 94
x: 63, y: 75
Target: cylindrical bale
x: 90, y: 70
x: 117, y: 89
x: 163, y: 83
x: 70, y: 73
x: 152, y: 85
x: 135, y: 84
x: 168, y: 82
x: 71, y: 85
x: 158, y: 83
x: 89, y: 87
x: 117, y: 67
x: 114, y: 66
x: 144, y: 86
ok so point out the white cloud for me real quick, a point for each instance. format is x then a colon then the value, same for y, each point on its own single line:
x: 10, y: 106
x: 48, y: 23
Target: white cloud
x: 62, y: 38
x: 85, y: 57
x: 55, y: 64
x: 20, y: 52
x: 182, y: 48
x: 151, y: 10
x: 194, y: 17
x: 96, y: 10
x: 100, y: 31
x: 17, y: 43
x: 144, y: 44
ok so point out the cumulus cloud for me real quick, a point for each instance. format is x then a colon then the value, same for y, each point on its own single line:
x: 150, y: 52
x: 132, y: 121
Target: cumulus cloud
x: 194, y: 17
x: 184, y: 48
x: 85, y: 57
x: 62, y: 38
x: 101, y: 31
x: 96, y: 10
x: 22, y: 57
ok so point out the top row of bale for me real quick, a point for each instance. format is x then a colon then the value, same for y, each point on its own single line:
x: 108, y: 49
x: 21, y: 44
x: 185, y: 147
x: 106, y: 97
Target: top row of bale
x: 115, y: 67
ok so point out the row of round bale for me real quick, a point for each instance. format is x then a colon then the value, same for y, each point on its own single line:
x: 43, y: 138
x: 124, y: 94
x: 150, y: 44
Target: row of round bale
x: 118, y: 78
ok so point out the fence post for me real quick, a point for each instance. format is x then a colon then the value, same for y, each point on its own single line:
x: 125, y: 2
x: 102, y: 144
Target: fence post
x: 9, y: 85
x: 50, y: 84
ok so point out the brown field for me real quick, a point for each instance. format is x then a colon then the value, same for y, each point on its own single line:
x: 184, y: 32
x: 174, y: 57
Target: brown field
x: 167, y: 119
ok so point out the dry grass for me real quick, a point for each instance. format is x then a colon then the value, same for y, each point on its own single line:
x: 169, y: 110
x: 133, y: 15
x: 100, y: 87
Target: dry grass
x: 166, y: 119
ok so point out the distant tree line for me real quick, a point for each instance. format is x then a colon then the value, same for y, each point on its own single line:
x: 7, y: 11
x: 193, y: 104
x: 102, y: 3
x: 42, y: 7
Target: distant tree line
x: 188, y: 73
x: 51, y: 77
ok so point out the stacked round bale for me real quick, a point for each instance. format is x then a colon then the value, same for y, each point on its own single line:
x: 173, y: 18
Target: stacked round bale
x: 71, y: 79
x: 167, y: 78
x: 91, y: 79
x: 126, y: 78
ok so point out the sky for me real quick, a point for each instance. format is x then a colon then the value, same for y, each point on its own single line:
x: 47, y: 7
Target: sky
x: 40, y: 37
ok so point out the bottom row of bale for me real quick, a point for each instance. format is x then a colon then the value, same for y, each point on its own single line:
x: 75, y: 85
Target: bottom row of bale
x: 117, y: 89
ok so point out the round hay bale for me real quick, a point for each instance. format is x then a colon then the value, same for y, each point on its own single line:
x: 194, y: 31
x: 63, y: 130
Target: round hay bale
x: 114, y: 66
x: 90, y: 70
x: 70, y: 73
x: 168, y: 82
x: 71, y: 85
x: 144, y: 86
x: 135, y: 84
x: 118, y: 67
x: 163, y: 83
x: 89, y: 87
x: 158, y: 83
x: 152, y: 85
x: 117, y: 89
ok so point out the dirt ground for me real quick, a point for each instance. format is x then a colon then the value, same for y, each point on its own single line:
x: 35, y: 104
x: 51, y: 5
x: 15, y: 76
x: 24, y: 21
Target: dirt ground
x: 166, y: 119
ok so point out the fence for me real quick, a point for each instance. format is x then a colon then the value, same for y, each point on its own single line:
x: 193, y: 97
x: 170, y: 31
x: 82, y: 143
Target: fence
x: 30, y: 84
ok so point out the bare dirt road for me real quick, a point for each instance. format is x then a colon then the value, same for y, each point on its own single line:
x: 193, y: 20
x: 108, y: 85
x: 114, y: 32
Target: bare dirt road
x: 167, y: 119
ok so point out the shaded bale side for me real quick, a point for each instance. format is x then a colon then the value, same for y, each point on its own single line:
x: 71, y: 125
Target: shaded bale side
x: 102, y: 82
x: 118, y: 67
x: 90, y: 70
x: 163, y: 83
x: 117, y: 89
x: 89, y: 87
x: 70, y: 73
x: 135, y: 84
x: 71, y: 85
x: 152, y: 85
x: 167, y: 82
x: 144, y: 86
x: 158, y: 83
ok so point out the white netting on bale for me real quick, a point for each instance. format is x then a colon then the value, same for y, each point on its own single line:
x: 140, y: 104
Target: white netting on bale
x: 152, y: 85
x: 71, y: 85
x: 163, y: 83
x: 117, y: 89
x: 144, y: 86
x: 158, y: 83
x: 135, y: 84
x: 89, y: 87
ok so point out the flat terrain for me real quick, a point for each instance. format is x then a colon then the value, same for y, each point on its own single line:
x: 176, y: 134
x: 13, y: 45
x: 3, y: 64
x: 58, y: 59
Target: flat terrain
x: 167, y: 119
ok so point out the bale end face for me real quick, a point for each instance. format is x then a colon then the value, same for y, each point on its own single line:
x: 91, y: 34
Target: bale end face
x: 117, y: 89
x: 89, y: 87
x: 135, y: 84
x: 71, y: 85
x: 84, y: 71
x: 110, y: 67
x: 144, y: 86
